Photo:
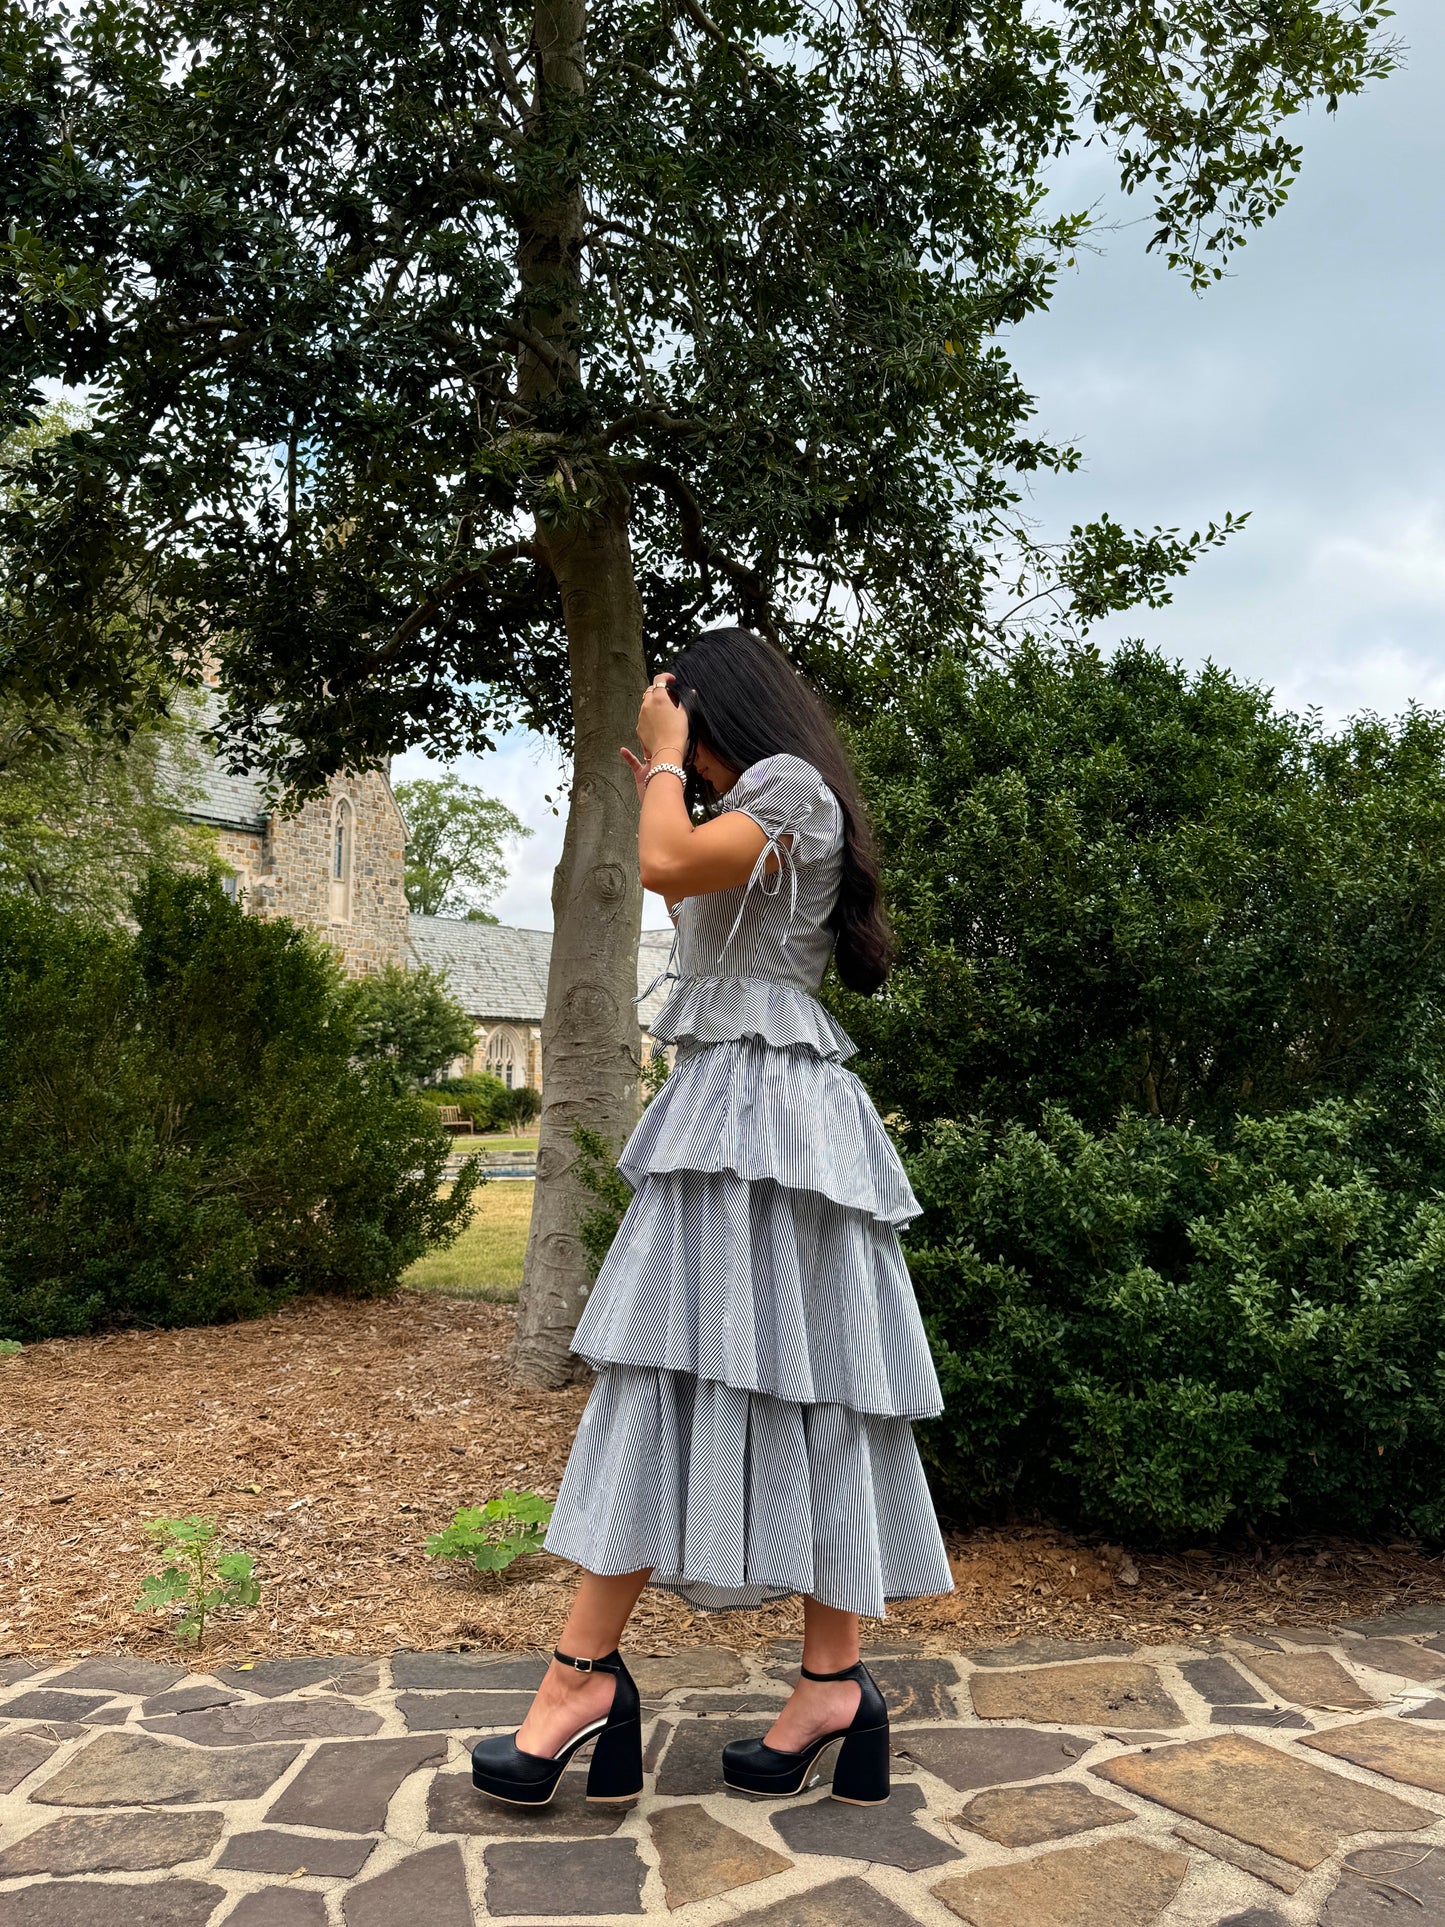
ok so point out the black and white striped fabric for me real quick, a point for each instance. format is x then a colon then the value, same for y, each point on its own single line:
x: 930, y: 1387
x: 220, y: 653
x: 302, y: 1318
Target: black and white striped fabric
x: 758, y: 1347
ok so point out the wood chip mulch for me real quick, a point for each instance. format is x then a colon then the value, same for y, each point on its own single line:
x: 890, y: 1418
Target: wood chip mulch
x: 332, y: 1437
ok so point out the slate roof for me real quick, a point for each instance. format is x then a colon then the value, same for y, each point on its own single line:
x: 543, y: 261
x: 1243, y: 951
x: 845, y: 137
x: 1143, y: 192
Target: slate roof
x: 204, y: 789
x: 499, y: 971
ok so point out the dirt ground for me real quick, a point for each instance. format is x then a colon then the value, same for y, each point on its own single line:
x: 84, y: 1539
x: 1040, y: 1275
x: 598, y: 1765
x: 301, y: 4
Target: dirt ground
x: 330, y: 1439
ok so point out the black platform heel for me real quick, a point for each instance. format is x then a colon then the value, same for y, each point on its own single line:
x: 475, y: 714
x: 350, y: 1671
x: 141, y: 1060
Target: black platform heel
x: 503, y: 1771
x: 860, y: 1773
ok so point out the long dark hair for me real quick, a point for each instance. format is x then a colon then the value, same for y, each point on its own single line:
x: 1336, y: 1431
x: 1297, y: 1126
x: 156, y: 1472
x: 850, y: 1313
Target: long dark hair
x: 744, y: 700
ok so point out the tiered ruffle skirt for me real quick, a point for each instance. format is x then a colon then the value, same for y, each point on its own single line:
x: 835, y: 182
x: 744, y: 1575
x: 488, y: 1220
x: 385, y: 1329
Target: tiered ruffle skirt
x: 759, y: 1351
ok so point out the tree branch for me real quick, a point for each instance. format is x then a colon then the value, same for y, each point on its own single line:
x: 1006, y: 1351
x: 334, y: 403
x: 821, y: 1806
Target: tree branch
x: 699, y: 549
x: 428, y: 611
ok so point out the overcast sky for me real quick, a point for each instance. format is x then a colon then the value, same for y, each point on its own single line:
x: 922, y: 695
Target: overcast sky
x: 1307, y: 389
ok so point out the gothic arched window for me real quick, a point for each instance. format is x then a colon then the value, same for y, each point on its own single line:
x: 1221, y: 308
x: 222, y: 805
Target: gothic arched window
x: 342, y: 818
x: 504, y: 1056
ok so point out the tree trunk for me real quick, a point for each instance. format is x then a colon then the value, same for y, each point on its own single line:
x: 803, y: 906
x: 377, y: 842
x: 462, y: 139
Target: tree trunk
x: 590, y: 1036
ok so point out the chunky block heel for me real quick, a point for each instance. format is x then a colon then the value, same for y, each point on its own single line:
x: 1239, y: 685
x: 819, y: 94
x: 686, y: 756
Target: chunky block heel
x: 860, y: 1775
x: 503, y: 1771
x: 616, y: 1769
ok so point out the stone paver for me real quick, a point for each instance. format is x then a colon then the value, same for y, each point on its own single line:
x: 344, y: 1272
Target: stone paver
x: 1410, y: 1619
x: 20, y: 1754
x: 885, y: 1835
x: 659, y: 1673
x: 698, y: 1856
x: 12, y: 1670
x: 1311, y: 1679
x: 44, y: 1704
x: 269, y: 1851
x: 271, y: 1677
x: 1219, y: 1682
x: 119, y: 1675
x: 1263, y: 1796
x: 441, y: 1712
x: 1403, y: 1657
x: 194, y: 1697
x: 279, y: 1907
x: 467, y: 1672
x: 691, y: 1766
x: 1091, y: 1693
x: 1388, y: 1883
x: 309, y: 1719
x: 852, y: 1901
x: 1025, y: 1815
x: 85, y: 1903
x: 1042, y: 1652
x: 426, y: 1889
x: 1413, y: 1754
x: 556, y: 1878
x: 1263, y: 1866
x: 969, y: 1757
x: 1123, y: 1882
x: 455, y: 1806
x: 347, y: 1785
x: 113, y: 1843
x: 337, y: 1791
x: 132, y: 1769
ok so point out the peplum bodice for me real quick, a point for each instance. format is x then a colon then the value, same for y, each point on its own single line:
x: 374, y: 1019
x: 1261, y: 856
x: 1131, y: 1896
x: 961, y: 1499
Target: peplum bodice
x: 747, y: 962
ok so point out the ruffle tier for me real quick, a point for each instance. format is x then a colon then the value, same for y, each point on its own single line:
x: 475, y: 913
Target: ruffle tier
x: 714, y: 1010
x: 734, y: 1499
x: 765, y: 1289
x: 768, y: 1112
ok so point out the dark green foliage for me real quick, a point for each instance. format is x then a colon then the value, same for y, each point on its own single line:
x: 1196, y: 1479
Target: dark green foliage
x: 521, y: 1106
x: 1165, y: 1040
x: 426, y: 276
x: 478, y: 1096
x: 1161, y: 1334
x: 597, y: 1166
x: 184, y: 1136
x: 407, y: 1023
x: 1116, y: 884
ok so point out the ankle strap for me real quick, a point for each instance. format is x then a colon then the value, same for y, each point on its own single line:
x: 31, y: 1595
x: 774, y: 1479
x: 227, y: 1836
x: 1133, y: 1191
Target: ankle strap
x: 848, y: 1672
x: 609, y: 1662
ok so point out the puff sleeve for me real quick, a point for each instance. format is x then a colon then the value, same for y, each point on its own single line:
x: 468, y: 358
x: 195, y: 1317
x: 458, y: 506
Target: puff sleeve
x: 785, y: 796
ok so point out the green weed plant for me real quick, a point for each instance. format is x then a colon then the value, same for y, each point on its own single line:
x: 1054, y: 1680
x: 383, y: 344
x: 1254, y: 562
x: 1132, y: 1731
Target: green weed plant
x: 493, y: 1535
x: 202, y: 1580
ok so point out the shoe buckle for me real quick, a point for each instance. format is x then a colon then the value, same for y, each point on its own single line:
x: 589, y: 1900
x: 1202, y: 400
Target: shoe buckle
x: 584, y: 1665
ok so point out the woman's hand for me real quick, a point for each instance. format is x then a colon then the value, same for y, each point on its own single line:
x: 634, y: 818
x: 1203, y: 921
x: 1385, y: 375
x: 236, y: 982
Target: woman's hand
x: 662, y: 723
x: 639, y: 771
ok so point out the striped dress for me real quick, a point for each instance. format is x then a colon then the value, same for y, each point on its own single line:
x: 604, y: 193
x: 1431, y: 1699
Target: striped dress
x: 758, y: 1348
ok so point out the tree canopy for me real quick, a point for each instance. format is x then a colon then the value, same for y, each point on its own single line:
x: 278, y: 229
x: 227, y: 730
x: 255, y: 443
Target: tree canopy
x: 455, y: 863
x: 372, y: 297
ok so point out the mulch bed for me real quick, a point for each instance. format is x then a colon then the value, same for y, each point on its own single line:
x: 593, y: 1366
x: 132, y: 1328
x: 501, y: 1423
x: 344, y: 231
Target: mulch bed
x: 331, y: 1438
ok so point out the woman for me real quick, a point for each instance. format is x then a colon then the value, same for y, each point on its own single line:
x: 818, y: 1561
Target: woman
x: 757, y: 1343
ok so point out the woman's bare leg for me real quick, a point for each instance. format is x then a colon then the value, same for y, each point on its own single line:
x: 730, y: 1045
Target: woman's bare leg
x: 830, y: 1643
x: 568, y: 1700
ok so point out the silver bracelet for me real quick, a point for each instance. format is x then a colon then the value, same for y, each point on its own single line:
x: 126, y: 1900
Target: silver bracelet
x: 657, y: 768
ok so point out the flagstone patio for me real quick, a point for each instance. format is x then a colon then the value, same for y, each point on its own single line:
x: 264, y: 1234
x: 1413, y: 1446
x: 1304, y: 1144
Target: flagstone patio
x: 1250, y: 1781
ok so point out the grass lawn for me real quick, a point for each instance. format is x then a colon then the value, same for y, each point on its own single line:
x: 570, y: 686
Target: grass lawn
x: 486, y: 1261
x: 496, y: 1141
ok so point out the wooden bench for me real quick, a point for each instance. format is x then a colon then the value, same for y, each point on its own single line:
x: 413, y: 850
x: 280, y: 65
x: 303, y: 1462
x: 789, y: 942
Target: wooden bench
x: 452, y: 1120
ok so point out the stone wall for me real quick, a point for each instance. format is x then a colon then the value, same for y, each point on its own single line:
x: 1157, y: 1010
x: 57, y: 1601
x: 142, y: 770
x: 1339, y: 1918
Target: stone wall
x: 364, y: 917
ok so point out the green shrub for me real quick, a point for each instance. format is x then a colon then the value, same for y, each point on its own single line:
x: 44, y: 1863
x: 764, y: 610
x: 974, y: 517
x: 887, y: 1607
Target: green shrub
x: 184, y: 1135
x: 1159, y: 1332
x: 407, y: 1024
x: 478, y: 1096
x: 1118, y: 885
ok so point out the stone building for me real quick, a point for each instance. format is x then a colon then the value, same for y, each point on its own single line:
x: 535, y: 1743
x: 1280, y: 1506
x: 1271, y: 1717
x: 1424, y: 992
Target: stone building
x: 337, y: 865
